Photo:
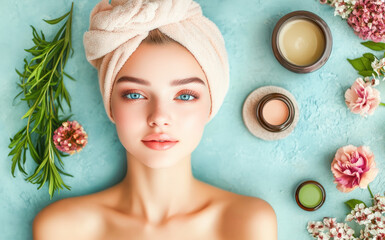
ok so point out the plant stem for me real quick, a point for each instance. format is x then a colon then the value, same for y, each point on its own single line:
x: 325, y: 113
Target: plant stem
x: 371, y: 194
x: 382, y: 104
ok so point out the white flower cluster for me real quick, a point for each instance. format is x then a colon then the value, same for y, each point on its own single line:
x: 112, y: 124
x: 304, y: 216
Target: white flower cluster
x: 378, y: 66
x: 342, y: 7
x: 371, y: 217
x: 330, y: 229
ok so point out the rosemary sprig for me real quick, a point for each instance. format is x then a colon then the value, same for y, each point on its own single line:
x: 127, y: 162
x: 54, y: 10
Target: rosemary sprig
x: 42, y: 86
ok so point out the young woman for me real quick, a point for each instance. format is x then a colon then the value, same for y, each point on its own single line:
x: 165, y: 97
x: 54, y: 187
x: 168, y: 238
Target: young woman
x: 160, y: 101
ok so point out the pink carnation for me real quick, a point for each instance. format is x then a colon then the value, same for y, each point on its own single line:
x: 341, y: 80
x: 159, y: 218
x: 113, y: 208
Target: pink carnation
x: 367, y: 19
x: 353, y: 167
x: 361, y: 98
x: 70, y: 137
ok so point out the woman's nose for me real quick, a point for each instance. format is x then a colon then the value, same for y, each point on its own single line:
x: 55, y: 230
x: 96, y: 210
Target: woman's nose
x: 159, y: 114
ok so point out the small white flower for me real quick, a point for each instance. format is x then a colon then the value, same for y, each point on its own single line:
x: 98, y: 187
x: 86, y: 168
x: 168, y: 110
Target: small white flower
x: 367, y: 211
x: 333, y: 231
x: 349, y: 218
x: 361, y: 206
x: 311, y: 226
x: 350, y: 232
x: 323, y: 236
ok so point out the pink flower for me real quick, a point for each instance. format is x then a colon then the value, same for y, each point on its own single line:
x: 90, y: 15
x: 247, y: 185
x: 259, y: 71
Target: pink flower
x: 362, y: 98
x: 70, y: 137
x: 367, y: 20
x: 353, y: 167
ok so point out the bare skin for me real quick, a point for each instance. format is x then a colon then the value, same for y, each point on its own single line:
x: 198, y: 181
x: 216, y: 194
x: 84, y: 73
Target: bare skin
x: 159, y: 198
x: 214, y: 214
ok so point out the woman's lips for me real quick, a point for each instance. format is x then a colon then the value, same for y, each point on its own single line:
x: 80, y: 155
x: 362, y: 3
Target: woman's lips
x: 156, y: 145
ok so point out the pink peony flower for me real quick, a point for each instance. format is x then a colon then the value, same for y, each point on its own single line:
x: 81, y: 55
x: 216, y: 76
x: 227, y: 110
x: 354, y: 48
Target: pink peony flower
x: 367, y: 20
x: 70, y: 137
x: 362, y: 98
x: 353, y: 167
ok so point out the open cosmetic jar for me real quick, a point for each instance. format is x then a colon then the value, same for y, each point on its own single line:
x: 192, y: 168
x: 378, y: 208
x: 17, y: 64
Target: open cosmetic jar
x: 275, y: 112
x: 302, y: 41
x: 310, y: 195
x: 270, y: 112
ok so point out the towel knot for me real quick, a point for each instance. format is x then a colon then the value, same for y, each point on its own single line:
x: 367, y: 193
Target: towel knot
x: 132, y: 18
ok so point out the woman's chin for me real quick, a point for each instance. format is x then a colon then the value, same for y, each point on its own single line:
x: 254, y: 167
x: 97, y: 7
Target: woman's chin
x: 160, y: 162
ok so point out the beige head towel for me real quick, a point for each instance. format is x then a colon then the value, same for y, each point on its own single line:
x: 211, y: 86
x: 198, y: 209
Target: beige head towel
x: 117, y: 29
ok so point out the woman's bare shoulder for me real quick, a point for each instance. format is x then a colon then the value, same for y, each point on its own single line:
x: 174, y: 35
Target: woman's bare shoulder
x: 247, y: 218
x: 69, y: 218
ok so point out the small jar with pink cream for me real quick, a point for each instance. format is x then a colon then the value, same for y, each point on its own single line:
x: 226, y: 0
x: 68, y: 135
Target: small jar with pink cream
x: 275, y: 112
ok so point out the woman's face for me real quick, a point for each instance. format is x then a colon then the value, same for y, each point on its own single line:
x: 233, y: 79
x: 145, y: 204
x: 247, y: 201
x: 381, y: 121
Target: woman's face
x: 160, y: 89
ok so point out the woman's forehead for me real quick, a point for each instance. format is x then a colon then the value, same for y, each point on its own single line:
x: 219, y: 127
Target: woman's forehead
x: 162, y: 63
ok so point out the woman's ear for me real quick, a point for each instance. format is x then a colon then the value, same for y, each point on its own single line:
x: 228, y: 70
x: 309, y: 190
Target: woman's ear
x: 113, y: 119
x: 112, y: 114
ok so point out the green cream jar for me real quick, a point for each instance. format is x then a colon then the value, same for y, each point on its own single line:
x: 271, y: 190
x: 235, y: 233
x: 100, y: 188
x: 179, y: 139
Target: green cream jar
x: 310, y: 195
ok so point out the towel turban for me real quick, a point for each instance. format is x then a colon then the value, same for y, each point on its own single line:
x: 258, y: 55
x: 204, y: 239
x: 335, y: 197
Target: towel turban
x: 117, y: 29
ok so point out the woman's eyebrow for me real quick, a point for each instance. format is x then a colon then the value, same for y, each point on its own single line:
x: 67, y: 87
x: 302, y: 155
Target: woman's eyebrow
x: 176, y: 82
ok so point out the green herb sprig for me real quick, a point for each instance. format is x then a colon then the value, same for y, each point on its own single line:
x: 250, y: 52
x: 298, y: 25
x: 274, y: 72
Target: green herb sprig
x: 43, y: 88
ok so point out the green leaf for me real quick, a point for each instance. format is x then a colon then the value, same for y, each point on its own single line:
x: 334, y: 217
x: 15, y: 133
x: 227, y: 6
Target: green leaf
x: 24, y: 156
x: 369, y: 56
x: 357, y: 64
x: 31, y: 96
x: 29, y: 112
x: 16, y: 149
x: 13, y: 168
x: 40, y: 113
x: 66, y: 74
x: 56, y: 20
x: 366, y: 73
x: 51, y: 187
x: 37, y: 170
x: 67, y: 174
x: 33, y: 150
x: 19, y: 165
x: 59, y: 33
x: 367, y: 63
x: 353, y: 202
x: 17, y: 138
x: 379, y: 46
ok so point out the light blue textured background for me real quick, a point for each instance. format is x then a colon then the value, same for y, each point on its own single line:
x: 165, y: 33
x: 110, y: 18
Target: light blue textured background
x: 228, y: 156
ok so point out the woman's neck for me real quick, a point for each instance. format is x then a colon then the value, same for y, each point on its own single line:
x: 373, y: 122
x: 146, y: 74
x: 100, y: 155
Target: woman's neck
x: 158, y: 194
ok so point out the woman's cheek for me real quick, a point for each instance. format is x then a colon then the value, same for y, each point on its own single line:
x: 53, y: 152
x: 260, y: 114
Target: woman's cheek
x: 194, y: 117
x: 128, y: 113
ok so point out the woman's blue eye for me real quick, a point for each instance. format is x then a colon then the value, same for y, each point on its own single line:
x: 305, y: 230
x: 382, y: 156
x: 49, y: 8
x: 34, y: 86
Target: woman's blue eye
x: 183, y: 97
x: 134, y: 95
x: 186, y: 97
